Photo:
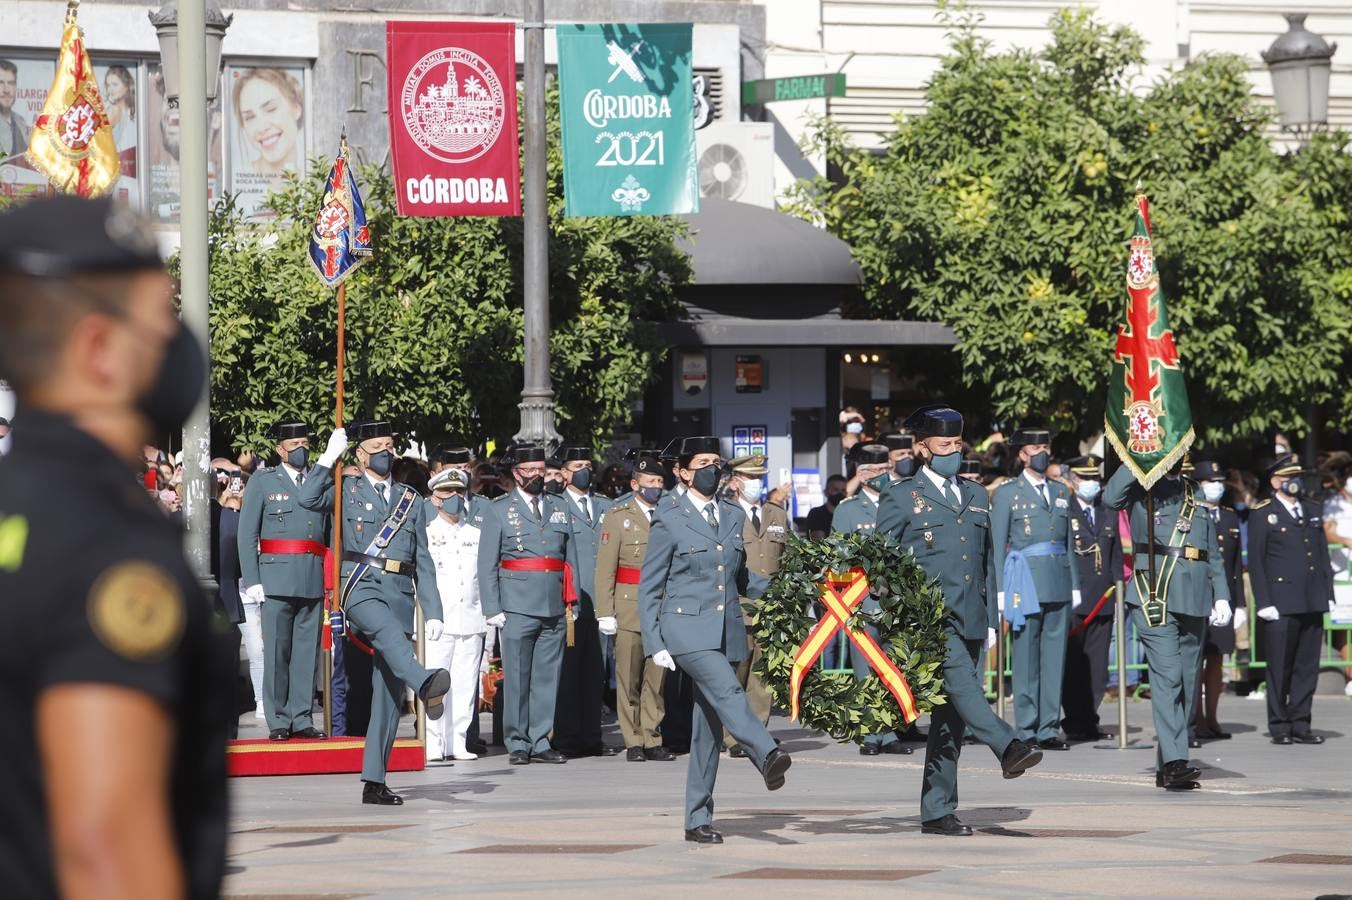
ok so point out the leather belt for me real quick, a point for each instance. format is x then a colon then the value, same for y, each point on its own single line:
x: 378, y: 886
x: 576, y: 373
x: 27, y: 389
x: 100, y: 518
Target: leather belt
x: 1193, y: 554
x: 627, y: 575
x: 283, y: 547
x: 380, y: 563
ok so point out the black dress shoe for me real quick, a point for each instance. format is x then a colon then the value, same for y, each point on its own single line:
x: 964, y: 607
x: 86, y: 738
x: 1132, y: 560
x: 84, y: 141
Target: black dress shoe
x: 659, y: 754
x: 518, y: 758
x: 869, y: 750
x: 479, y: 748
x: 433, y: 690
x: 1176, y: 785
x: 1083, y: 737
x: 610, y: 750
x: 549, y: 756
x: 703, y: 835
x: 950, y: 825
x: 636, y: 754
x: 1053, y: 744
x: 1307, y: 738
x: 309, y: 734
x: 776, y: 764
x: 898, y: 748
x: 1018, y: 757
x: 379, y: 795
x: 737, y: 751
x: 1282, y: 739
x: 284, y: 734
x: 1177, y: 773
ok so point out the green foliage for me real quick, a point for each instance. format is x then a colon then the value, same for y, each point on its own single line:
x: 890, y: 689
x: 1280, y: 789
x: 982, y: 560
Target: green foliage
x: 434, y: 320
x: 909, y: 624
x: 1003, y: 211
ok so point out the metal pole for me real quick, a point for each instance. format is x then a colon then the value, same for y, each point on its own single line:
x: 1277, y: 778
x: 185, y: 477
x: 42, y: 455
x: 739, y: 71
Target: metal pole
x: 335, y: 599
x: 1120, y: 623
x: 537, y: 395
x: 192, y: 158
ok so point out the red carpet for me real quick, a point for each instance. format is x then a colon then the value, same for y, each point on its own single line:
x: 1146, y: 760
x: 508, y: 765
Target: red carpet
x: 332, y: 757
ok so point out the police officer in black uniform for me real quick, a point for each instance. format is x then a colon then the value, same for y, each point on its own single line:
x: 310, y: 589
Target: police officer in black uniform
x: 1292, y: 581
x: 1097, y: 550
x: 114, y: 691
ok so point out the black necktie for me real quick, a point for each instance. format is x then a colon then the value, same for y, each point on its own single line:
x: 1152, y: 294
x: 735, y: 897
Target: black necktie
x: 755, y: 519
x: 949, y: 494
x: 1089, y: 514
x: 1042, y: 492
x: 711, y: 515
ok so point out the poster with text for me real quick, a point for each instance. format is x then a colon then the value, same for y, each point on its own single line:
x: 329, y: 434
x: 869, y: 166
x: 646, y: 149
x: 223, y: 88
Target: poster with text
x: 161, y: 156
x: 625, y: 100
x: 267, y: 132
x: 24, y: 83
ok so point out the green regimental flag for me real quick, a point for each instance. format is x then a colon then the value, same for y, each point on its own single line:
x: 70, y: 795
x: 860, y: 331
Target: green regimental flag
x: 626, y: 106
x: 1148, y: 419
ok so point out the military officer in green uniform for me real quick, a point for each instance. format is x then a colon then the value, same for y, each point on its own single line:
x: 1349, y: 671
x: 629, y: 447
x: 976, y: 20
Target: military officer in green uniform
x: 1036, y: 583
x: 873, y: 468
x: 619, y: 561
x: 281, y: 557
x: 1189, y: 586
x: 577, y: 718
x: 384, y: 557
x: 527, y: 560
x: 692, y: 575
x: 945, y: 521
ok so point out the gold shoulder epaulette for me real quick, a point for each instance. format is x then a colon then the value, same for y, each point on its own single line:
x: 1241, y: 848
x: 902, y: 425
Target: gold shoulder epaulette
x: 1261, y: 503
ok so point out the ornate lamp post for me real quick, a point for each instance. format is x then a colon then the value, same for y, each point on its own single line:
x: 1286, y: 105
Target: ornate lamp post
x: 1299, y: 61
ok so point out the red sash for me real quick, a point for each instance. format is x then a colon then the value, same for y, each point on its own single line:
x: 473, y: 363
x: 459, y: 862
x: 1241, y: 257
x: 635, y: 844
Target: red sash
x: 627, y: 575
x: 291, y: 548
x: 546, y: 564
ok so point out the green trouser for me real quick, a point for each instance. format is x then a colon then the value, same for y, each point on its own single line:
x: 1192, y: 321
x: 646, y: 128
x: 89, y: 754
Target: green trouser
x: 393, y: 667
x: 290, y: 652
x: 532, y: 657
x: 757, y: 694
x: 1174, y: 653
x: 1039, y: 666
x: 966, y: 708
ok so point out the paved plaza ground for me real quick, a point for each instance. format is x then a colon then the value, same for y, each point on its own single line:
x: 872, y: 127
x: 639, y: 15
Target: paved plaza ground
x: 1270, y: 822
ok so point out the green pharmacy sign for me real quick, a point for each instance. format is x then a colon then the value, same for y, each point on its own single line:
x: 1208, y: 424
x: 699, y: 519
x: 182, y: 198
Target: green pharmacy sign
x: 625, y: 98
x: 800, y: 87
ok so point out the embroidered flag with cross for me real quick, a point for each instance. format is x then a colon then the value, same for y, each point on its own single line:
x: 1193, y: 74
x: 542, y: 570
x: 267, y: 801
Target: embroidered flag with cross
x: 340, y: 240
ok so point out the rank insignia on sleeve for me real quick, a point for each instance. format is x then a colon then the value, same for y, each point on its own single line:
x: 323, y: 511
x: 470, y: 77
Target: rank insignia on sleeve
x: 136, y: 610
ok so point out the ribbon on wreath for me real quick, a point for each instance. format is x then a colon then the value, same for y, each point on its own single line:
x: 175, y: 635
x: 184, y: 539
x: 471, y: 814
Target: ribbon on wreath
x: 842, y: 593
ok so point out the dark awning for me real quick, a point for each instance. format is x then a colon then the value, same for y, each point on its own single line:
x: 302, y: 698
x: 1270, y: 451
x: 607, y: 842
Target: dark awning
x: 741, y: 244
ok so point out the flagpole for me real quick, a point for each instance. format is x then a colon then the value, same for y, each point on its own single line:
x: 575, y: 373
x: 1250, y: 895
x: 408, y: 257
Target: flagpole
x: 337, y: 514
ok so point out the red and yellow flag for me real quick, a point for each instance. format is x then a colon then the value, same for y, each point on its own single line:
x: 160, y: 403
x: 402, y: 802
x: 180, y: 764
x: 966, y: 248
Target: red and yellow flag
x: 72, y: 141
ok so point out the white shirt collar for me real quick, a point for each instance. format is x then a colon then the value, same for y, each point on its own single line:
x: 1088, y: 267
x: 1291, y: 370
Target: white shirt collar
x: 748, y: 506
x: 388, y: 481
x: 939, y: 481
x: 1292, y: 504
x: 528, y: 498
x: 286, y: 467
x: 1034, y: 478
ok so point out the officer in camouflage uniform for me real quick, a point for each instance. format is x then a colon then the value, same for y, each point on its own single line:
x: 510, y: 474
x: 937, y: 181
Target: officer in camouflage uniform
x: 619, y: 562
x: 281, y: 557
x: 945, y: 521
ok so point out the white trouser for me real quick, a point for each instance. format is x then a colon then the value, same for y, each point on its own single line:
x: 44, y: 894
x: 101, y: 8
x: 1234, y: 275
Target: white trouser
x: 458, y: 654
x: 251, y: 630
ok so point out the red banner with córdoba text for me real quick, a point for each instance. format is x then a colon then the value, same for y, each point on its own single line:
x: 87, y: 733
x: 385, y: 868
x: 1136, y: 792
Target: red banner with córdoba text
x: 453, y: 135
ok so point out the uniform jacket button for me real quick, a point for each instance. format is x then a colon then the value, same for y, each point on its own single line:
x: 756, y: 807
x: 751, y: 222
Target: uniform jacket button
x: 967, y: 578
x: 720, y: 606
x: 719, y: 547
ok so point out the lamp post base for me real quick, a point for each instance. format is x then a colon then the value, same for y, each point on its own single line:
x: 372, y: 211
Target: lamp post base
x: 537, y: 420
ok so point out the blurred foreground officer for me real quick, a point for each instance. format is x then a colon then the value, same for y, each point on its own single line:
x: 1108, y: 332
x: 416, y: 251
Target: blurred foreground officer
x: 1037, y: 585
x: 693, y: 573
x: 115, y: 689
x: 1190, y: 582
x: 1097, y: 553
x: 945, y: 521
x: 526, y: 556
x: 281, y: 553
x: 619, y: 561
x: 384, y: 555
x: 1292, y: 583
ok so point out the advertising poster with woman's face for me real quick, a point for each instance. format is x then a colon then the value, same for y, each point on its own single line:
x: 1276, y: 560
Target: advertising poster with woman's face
x: 117, y: 85
x: 23, y: 89
x: 267, y: 107
x: 161, y: 159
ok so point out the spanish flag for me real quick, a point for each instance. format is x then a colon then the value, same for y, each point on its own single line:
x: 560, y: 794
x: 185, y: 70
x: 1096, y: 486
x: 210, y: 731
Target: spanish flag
x: 72, y: 141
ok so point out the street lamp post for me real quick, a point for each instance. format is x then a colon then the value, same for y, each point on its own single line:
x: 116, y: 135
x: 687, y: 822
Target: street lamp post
x: 193, y: 31
x: 1299, y: 62
x: 537, y: 395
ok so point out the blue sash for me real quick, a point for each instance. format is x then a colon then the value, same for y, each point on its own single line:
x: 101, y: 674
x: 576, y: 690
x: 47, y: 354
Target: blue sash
x: 387, y: 531
x: 1021, y: 600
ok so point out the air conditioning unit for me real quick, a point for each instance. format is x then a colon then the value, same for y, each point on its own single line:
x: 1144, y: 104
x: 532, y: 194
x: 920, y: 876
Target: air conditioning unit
x: 737, y: 162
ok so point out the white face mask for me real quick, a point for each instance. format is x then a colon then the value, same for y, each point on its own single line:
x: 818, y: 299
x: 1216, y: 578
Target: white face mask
x: 1088, y: 490
x: 1213, y: 491
x: 751, y: 489
x: 855, y: 427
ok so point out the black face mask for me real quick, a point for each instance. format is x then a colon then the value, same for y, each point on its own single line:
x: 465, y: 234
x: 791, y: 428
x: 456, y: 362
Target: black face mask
x: 298, y: 457
x: 1038, y: 462
x: 178, y: 385
x: 834, y: 497
x: 553, y: 487
x: 380, y: 463
x: 705, y: 480
x: 905, y: 467
x: 582, y: 479
x: 534, y: 485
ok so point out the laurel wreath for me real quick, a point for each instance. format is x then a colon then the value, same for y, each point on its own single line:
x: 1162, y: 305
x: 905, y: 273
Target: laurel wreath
x: 910, y: 629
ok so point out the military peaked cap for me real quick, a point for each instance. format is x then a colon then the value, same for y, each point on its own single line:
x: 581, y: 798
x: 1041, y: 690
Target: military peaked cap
x: 285, y: 431
x: 366, y: 431
x: 870, y: 454
x: 449, y: 479
x: 898, y: 441
x: 648, y: 465
x: 753, y: 464
x: 1287, y: 464
x: 1086, y: 467
x: 66, y: 235
x: 1208, y: 470
x: 935, y: 420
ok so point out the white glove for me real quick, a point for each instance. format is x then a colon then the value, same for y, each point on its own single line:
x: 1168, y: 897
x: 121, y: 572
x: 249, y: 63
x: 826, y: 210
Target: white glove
x: 435, y: 627
x: 1241, y: 618
x: 498, y: 621
x: 1269, y: 614
x: 990, y: 638
x: 254, y: 594
x: 607, y: 625
x: 1220, y: 614
x: 663, y: 659
x: 1000, y: 601
x: 1075, y: 599
x: 334, y: 450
